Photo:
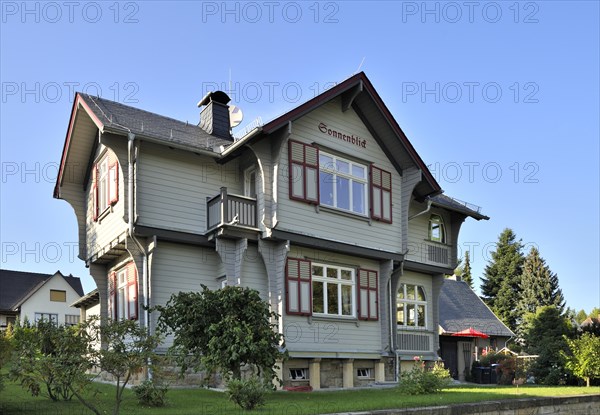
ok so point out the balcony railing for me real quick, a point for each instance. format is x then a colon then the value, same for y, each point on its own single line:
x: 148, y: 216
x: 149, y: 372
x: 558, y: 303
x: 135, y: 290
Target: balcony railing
x: 439, y: 254
x: 228, y: 209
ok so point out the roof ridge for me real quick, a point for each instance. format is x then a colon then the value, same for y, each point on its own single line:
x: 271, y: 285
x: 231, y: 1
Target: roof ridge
x: 95, y: 98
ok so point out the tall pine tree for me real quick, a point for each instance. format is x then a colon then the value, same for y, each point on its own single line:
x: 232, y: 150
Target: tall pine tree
x: 466, y: 271
x: 539, y: 285
x: 502, y: 276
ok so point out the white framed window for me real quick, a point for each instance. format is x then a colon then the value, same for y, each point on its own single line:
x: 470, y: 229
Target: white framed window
x: 250, y: 182
x: 364, y: 373
x: 437, y: 230
x: 299, y: 374
x: 122, y: 310
x: 343, y: 184
x: 123, y: 288
x: 411, y: 306
x: 103, y: 185
x: 333, y: 290
x: 45, y: 316
x: 71, y: 319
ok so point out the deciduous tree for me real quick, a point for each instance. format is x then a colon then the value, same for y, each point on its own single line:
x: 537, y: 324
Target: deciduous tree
x: 583, y: 357
x: 222, y: 331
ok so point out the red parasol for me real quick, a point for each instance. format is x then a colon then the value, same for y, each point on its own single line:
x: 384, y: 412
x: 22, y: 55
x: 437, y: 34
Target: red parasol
x: 471, y: 332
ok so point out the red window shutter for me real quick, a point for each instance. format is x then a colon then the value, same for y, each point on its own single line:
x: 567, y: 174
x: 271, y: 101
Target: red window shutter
x: 95, y: 192
x: 303, y: 172
x: 132, y: 291
x: 113, y: 182
x: 298, y: 287
x: 368, y: 295
x: 112, y: 295
x: 381, y: 195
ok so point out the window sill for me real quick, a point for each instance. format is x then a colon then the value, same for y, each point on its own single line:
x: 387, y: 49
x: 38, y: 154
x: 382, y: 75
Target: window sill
x: 341, y: 212
x: 105, y: 213
x: 412, y: 328
x: 437, y: 243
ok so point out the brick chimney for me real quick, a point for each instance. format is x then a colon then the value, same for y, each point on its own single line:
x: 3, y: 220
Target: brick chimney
x: 214, y: 117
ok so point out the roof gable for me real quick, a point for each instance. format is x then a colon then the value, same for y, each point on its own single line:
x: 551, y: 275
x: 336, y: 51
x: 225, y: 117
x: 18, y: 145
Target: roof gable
x: 17, y: 286
x: 460, y: 308
x: 358, y: 93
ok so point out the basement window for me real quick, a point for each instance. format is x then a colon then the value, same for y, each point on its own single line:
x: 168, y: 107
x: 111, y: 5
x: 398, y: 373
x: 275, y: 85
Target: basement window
x: 299, y: 374
x: 364, y: 373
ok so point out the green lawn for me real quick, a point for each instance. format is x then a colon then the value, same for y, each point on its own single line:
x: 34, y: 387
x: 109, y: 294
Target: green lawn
x: 15, y: 400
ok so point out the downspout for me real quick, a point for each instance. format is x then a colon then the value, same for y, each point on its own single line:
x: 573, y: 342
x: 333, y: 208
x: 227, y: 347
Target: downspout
x: 393, y: 332
x: 429, y: 201
x: 130, y: 214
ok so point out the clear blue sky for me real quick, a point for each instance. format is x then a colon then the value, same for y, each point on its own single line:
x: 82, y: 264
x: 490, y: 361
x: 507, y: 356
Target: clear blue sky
x: 500, y: 98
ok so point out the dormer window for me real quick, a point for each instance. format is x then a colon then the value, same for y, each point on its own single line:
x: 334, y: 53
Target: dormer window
x: 437, y: 231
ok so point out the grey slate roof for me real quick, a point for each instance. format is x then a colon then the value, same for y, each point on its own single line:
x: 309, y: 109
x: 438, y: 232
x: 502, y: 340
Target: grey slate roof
x: 458, y: 206
x: 15, y: 286
x: 460, y: 308
x: 121, y: 119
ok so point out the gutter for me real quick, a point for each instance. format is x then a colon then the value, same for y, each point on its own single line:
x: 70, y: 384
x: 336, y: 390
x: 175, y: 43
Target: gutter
x: 429, y: 203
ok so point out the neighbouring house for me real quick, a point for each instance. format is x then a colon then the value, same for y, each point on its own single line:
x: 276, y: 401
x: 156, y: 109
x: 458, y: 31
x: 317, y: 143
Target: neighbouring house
x: 327, y: 210
x: 88, y: 305
x: 465, y: 321
x: 33, y: 296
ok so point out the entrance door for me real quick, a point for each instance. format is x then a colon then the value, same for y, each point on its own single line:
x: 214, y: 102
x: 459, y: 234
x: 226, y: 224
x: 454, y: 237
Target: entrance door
x: 448, y: 354
x: 250, y: 182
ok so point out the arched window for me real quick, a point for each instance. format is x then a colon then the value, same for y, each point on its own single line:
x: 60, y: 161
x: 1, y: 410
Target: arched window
x: 411, y: 306
x: 437, y: 231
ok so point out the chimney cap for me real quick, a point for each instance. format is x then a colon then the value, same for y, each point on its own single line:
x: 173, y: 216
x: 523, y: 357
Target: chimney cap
x: 216, y: 96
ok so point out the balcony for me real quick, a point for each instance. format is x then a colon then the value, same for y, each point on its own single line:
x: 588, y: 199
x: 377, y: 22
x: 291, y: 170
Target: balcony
x: 231, y: 211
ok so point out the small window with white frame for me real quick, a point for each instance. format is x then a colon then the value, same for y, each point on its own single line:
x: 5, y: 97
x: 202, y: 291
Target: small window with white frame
x: 299, y: 374
x: 437, y: 230
x: 333, y: 290
x: 411, y: 306
x: 250, y: 182
x: 364, y: 373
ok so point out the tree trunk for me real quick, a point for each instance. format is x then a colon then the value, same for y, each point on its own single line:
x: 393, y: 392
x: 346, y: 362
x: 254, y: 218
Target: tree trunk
x: 587, y: 381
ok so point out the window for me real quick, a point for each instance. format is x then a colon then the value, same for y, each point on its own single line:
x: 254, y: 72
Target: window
x: 71, y: 319
x: 122, y: 286
x: 381, y: 194
x: 332, y: 290
x: 46, y: 317
x: 437, y: 231
x: 411, y: 306
x: 304, y: 168
x: 324, y: 179
x: 342, y: 184
x: 364, y: 373
x: 105, y: 186
x: 250, y: 182
x: 58, y: 296
x: 299, y: 374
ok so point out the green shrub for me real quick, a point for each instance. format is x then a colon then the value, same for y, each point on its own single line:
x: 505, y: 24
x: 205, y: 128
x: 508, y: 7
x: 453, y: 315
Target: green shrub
x: 247, y: 393
x: 421, y: 380
x: 150, y: 394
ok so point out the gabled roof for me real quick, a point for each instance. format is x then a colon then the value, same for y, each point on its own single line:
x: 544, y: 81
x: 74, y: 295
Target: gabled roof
x: 17, y: 286
x: 460, y: 308
x: 456, y: 205
x: 358, y: 92
x: 116, y: 118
